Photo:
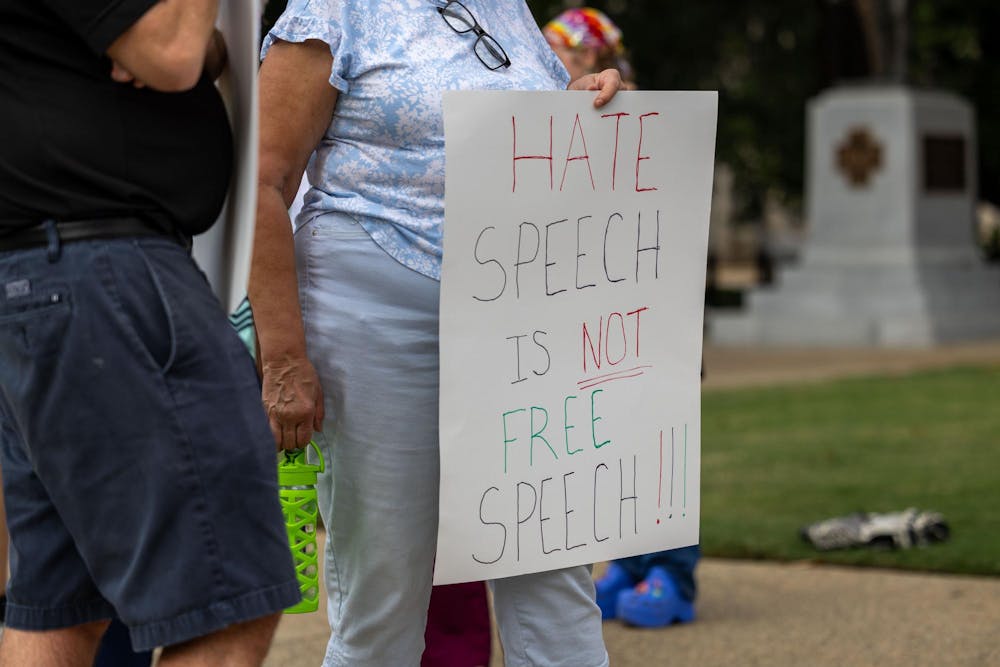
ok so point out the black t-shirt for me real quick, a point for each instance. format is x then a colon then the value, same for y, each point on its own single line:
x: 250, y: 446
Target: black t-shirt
x: 75, y: 145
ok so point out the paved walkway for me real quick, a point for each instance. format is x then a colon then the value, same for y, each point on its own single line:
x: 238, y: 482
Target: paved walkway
x: 755, y: 614
x: 744, y: 367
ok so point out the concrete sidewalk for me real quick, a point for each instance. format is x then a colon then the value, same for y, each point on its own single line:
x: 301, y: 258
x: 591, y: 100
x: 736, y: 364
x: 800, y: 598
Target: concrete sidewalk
x: 792, y: 615
x: 799, y: 615
x: 753, y: 614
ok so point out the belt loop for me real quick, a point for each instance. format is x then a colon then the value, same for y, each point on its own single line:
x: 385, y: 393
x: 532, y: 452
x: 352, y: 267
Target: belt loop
x: 52, y: 236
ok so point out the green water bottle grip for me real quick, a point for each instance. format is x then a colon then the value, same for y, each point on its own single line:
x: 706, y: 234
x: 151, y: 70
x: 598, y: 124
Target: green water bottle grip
x: 297, y: 493
x: 294, y: 470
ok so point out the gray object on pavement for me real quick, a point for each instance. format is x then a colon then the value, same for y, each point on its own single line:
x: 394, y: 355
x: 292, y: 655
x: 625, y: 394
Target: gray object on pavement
x: 894, y: 530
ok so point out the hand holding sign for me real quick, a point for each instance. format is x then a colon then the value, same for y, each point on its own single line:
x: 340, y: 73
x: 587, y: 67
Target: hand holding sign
x: 607, y: 83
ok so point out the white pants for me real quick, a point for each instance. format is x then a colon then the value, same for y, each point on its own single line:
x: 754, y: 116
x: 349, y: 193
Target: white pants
x: 372, y: 331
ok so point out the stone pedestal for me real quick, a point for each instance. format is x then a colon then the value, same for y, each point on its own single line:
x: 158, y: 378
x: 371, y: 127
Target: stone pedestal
x: 890, y: 259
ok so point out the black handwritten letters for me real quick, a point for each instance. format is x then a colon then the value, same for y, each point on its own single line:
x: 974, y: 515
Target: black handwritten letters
x: 515, y: 518
x: 534, y: 516
x: 551, y: 257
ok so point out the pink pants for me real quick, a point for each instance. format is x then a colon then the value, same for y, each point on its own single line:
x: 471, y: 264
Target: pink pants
x: 458, y: 627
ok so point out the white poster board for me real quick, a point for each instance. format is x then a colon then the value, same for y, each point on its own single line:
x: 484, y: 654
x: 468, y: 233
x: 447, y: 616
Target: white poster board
x: 571, y: 327
x: 224, y: 251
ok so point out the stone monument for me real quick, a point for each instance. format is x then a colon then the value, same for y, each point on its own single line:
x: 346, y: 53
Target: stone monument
x: 890, y: 258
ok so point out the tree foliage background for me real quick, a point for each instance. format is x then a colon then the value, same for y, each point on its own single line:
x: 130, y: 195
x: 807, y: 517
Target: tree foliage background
x: 752, y: 53
x: 768, y: 57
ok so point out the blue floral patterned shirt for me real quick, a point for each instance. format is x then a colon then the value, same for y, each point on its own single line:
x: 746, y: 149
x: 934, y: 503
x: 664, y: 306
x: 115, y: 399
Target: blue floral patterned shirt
x: 382, y: 158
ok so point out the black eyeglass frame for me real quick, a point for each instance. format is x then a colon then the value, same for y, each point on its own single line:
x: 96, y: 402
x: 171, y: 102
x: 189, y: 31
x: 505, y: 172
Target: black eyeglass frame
x: 480, y: 33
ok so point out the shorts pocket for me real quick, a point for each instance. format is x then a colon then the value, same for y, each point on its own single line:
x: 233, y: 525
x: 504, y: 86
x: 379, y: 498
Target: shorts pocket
x: 34, y: 322
x: 140, y: 304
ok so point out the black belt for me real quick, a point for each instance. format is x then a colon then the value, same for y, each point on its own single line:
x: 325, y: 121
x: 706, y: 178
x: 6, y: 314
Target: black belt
x: 82, y: 230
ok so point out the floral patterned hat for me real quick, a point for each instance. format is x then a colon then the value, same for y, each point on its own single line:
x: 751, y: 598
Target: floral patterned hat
x: 586, y: 27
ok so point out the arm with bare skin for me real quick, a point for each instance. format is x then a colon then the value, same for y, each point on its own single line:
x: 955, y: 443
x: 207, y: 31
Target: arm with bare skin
x: 166, y: 48
x: 296, y: 105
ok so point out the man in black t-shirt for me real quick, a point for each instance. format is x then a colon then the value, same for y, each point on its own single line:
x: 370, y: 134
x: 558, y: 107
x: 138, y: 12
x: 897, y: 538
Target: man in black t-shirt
x: 138, y: 466
x: 77, y: 145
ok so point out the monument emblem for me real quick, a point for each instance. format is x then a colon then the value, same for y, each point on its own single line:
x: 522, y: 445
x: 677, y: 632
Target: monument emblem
x: 859, y: 156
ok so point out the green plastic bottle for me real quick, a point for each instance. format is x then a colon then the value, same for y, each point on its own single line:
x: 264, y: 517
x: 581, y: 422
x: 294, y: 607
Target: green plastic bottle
x: 297, y: 491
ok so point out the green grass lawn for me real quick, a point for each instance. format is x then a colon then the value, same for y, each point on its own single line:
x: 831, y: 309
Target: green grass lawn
x: 775, y: 459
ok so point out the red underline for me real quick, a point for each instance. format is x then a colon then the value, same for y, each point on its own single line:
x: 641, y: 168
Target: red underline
x: 610, y: 377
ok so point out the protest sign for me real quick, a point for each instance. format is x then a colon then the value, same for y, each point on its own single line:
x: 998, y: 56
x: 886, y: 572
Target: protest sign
x: 571, y: 327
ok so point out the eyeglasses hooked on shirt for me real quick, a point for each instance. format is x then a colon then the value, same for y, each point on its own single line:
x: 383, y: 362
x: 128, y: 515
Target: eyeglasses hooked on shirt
x: 487, y: 49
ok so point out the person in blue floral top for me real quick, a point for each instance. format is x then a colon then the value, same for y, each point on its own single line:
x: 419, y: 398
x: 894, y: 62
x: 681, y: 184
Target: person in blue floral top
x: 347, y: 307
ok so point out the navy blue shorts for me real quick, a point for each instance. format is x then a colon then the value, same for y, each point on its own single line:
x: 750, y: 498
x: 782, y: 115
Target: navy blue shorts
x: 139, y: 471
